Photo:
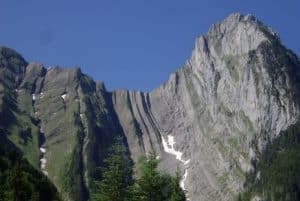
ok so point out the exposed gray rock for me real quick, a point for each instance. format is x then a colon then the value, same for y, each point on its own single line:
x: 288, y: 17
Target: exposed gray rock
x: 234, y: 94
x: 237, y: 91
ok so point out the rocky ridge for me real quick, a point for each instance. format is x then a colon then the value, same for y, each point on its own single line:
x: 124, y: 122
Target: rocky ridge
x: 214, y: 115
x: 238, y: 90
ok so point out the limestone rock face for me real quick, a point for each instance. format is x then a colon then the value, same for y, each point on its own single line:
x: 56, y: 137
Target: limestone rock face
x: 214, y: 115
x: 238, y: 90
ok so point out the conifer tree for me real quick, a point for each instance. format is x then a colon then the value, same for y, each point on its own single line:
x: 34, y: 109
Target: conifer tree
x: 116, y: 183
x: 116, y: 175
x: 150, y: 183
x: 155, y: 186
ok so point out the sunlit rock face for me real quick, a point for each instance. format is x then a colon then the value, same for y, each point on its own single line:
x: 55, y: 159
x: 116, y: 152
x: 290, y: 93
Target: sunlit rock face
x: 238, y: 90
x: 214, y: 115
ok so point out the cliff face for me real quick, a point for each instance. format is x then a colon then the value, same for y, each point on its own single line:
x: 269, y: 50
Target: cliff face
x: 60, y: 119
x: 212, y: 117
x: 238, y: 90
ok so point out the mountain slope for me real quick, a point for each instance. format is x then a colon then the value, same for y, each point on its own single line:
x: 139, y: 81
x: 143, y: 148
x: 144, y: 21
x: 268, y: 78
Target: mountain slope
x: 214, y: 115
x: 19, y: 180
x: 276, y: 174
x: 59, y: 118
x: 238, y: 90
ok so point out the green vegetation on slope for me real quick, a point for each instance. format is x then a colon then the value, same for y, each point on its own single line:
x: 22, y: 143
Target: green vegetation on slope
x: 17, y: 124
x: 72, y: 174
x: 24, y: 133
x: 276, y: 176
x: 19, y: 180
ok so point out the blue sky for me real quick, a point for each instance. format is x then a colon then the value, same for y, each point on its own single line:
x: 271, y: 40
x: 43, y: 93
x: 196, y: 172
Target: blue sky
x: 133, y: 44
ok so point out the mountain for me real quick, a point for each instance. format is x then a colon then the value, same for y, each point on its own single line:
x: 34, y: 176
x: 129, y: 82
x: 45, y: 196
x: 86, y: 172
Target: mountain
x: 214, y: 118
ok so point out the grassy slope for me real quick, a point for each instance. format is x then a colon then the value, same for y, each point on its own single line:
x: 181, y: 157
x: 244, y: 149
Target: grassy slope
x: 19, y: 180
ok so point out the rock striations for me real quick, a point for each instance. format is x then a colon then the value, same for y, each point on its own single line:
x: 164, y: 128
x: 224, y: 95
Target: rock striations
x: 238, y: 90
x: 214, y: 115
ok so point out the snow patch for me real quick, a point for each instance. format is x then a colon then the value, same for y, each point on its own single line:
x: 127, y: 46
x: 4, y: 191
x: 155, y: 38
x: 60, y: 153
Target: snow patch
x: 33, y: 97
x: 184, y: 179
x: 43, y: 150
x: 187, y: 162
x: 81, y: 115
x: 64, y: 96
x: 169, y: 148
x: 43, y: 163
x: 41, y: 95
x: 43, y: 160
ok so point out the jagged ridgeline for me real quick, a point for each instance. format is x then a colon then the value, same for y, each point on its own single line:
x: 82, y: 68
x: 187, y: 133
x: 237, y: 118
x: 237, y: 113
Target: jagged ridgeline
x: 215, y: 118
x: 58, y: 118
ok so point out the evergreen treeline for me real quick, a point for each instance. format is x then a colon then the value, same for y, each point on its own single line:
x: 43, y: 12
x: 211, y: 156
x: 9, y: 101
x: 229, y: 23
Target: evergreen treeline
x: 117, y: 184
x: 19, y: 181
x: 277, y: 172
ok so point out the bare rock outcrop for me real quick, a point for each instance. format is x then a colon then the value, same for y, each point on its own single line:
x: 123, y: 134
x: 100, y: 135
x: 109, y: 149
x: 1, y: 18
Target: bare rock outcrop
x: 214, y: 115
x: 238, y: 90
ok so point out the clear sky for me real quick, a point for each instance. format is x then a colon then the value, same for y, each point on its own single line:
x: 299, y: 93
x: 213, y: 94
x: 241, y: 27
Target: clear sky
x: 132, y: 44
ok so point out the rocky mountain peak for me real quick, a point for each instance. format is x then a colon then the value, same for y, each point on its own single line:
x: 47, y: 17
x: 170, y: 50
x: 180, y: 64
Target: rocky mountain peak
x: 236, y: 93
x: 236, y: 35
x: 12, y: 67
x: 8, y: 53
x: 246, y: 22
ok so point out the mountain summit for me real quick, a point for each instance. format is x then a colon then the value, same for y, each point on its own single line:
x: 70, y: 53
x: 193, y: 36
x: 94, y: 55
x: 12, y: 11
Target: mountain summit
x: 213, y: 118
